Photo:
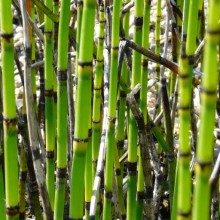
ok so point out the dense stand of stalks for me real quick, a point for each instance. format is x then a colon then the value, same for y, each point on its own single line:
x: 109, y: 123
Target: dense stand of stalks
x: 102, y: 137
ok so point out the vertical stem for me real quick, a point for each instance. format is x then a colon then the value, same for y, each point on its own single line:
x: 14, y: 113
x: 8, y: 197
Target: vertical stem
x: 9, y: 112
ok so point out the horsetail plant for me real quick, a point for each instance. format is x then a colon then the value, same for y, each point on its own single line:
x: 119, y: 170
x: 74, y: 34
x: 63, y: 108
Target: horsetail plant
x: 132, y: 130
x: 83, y: 109
x: 62, y: 66
x: 49, y: 106
x: 9, y: 112
x: 201, y: 203
x: 110, y: 142
x: 185, y: 91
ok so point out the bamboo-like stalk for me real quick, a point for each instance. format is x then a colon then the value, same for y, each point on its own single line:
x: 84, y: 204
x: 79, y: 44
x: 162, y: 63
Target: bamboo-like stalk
x: 132, y: 131
x: 96, y: 115
x: 49, y: 106
x: 185, y: 93
x: 201, y: 203
x: 83, y: 109
x: 2, y: 191
x: 9, y: 112
x: 110, y: 144
x: 62, y: 64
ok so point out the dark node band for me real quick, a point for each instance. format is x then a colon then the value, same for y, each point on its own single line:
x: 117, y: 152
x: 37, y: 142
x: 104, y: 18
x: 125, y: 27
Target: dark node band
x: 6, y: 36
x: 61, y: 172
x: 96, y: 122
x: 36, y: 154
x: 100, y: 61
x: 184, y: 108
x: 87, y: 206
x: 117, y: 172
x: 10, y: 121
x: 183, y: 76
x: 140, y: 195
x: 157, y: 69
x: 102, y: 22
x: 184, y: 214
x: 48, y: 93
x: 12, y: 210
x: 114, y: 48
x: 55, y: 97
x: 80, y: 140
x: 97, y: 89
x: 75, y: 218
x: 203, y: 165
x: 122, y: 94
x: 138, y: 21
x: 208, y: 92
x: 113, y: 120
x: 184, y: 37
x: 213, y: 32
x: 170, y: 157
x: 23, y: 175
x: 62, y: 75
x: 48, y: 33
x: 108, y: 195
x: 132, y: 167
x: 84, y: 64
x: 120, y: 144
x: 184, y: 155
x: 50, y: 154
x: 191, y: 59
x: 144, y: 63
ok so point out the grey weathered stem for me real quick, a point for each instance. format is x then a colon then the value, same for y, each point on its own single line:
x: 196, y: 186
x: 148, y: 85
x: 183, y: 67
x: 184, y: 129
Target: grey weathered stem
x: 31, y: 118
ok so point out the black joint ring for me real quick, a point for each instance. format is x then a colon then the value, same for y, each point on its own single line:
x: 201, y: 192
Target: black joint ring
x: 123, y: 94
x: 80, y: 140
x: 48, y: 92
x: 213, y: 32
x: 12, y: 210
x: 183, y: 214
x: 132, y: 166
x: 96, y: 122
x: 48, y: 33
x: 191, y: 59
x: 120, y: 144
x: 9, y: 121
x: 208, y: 92
x: 99, y: 61
x: 117, y: 172
x: 50, y: 154
x: 23, y: 175
x: 204, y: 164
x: 183, y: 55
x: 61, y: 172
x: 170, y: 157
x: 62, y: 75
x: 140, y: 195
x: 144, y: 63
x: 114, y: 48
x: 183, y: 76
x: 184, y: 155
x: 157, y: 69
x: 87, y: 206
x: 149, y: 192
x: 184, y: 37
x: 36, y: 154
x: 97, y: 89
x: 138, y: 21
x: 102, y: 22
x: 99, y: 173
x: 183, y: 108
x: 84, y: 64
x: 113, y: 120
x: 108, y: 195
x: 6, y: 36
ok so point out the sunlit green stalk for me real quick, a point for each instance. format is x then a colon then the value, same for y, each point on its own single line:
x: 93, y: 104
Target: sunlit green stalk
x: 97, y: 99
x: 83, y: 109
x: 133, y: 134
x: 9, y: 112
x: 201, y: 204
x: 49, y: 108
x: 110, y: 145
x: 62, y: 109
